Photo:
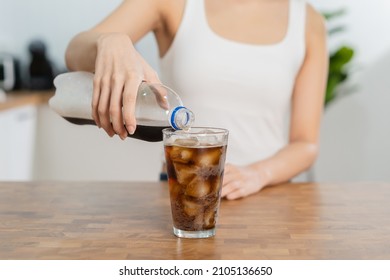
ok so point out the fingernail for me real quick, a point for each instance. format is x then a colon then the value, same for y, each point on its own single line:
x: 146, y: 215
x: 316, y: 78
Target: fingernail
x: 130, y: 129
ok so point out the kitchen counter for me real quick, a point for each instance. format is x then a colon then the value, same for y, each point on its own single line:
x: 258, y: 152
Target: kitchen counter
x: 21, y: 98
x: 132, y: 220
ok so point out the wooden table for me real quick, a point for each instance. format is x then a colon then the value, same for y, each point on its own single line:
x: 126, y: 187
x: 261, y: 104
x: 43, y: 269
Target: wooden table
x: 87, y: 220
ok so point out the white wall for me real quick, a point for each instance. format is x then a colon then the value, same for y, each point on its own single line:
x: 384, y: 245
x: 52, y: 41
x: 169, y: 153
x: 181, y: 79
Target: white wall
x: 367, y: 26
x: 56, y: 22
x: 355, y: 140
x: 356, y: 129
x: 355, y: 133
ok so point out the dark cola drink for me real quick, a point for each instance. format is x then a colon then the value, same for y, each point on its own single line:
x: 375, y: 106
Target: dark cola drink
x: 148, y: 133
x: 195, y: 173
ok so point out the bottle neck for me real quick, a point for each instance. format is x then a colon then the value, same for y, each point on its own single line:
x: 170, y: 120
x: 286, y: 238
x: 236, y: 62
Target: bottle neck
x: 181, y: 118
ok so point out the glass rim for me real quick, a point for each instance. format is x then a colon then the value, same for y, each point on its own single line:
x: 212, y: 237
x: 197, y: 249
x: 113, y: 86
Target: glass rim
x: 216, y: 131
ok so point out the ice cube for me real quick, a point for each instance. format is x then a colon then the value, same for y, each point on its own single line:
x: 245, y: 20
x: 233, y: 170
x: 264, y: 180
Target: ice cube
x: 186, y: 142
x: 184, y: 172
x: 198, y: 188
x: 216, y: 184
x: 198, y: 222
x: 174, y: 188
x: 209, y: 158
x: 209, y: 219
x: 180, y: 154
x: 191, y: 208
x: 209, y: 139
x: 205, y: 131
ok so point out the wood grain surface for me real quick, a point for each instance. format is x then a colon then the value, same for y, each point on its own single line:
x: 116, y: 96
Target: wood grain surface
x: 106, y: 220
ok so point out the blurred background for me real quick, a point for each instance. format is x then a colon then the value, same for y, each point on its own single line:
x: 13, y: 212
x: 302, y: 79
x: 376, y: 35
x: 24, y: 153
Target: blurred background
x: 36, y: 144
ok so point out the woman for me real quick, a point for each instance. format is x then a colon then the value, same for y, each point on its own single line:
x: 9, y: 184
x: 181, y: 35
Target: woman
x: 255, y: 67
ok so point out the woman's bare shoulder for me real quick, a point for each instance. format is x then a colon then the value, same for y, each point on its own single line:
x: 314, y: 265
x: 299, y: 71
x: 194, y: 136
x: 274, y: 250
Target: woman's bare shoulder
x: 316, y: 32
x: 315, y: 23
x: 171, y: 9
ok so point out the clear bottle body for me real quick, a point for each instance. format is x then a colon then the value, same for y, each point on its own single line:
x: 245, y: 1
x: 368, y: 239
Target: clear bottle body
x: 157, y: 106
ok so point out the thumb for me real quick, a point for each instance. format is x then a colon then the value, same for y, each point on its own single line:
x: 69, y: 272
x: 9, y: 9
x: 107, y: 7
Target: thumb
x: 154, y: 83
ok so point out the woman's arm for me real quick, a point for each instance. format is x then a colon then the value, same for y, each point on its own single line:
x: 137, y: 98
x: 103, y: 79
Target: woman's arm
x: 107, y: 50
x: 307, y: 108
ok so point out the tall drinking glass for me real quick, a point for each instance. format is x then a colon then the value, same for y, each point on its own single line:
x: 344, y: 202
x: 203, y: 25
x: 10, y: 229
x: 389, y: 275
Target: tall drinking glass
x: 195, y: 164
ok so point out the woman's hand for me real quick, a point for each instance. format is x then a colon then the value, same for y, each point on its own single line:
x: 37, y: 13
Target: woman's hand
x: 241, y: 181
x: 119, y: 70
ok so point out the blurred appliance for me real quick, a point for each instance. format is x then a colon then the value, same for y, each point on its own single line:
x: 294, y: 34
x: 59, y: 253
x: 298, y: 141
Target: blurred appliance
x: 9, y: 72
x: 40, y: 70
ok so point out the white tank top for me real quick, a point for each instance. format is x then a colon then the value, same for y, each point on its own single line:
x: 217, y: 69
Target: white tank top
x: 244, y: 88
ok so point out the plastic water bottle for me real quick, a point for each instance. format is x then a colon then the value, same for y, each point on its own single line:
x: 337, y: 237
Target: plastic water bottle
x: 73, y: 99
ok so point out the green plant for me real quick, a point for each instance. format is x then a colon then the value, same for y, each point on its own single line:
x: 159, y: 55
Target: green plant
x: 338, y: 61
